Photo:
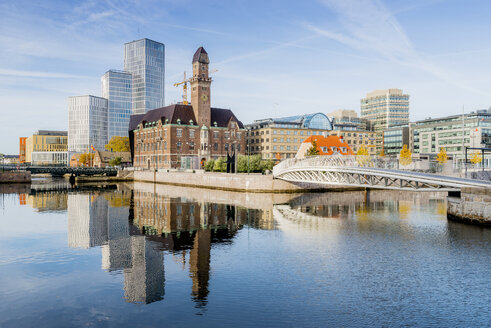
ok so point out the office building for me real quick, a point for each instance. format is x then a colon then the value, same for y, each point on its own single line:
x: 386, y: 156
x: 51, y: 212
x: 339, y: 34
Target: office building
x: 326, y: 146
x: 145, y: 60
x: 87, y: 123
x: 395, y: 138
x: 348, y: 120
x: 432, y: 134
x: 116, y: 88
x: 384, y: 108
x: 280, y: 138
x: 46, y: 147
x: 185, y: 136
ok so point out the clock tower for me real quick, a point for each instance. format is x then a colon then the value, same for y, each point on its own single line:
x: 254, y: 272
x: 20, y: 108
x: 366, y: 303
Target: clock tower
x: 200, y: 88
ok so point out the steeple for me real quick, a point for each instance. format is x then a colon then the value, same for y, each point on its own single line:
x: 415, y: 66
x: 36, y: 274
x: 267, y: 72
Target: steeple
x: 201, y: 56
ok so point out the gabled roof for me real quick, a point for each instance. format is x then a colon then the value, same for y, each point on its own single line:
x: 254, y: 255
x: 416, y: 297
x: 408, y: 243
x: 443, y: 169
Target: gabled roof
x: 106, y: 156
x: 330, y: 142
x: 184, y: 113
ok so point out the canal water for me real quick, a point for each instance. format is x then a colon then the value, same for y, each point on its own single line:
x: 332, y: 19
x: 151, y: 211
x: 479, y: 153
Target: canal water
x: 142, y: 255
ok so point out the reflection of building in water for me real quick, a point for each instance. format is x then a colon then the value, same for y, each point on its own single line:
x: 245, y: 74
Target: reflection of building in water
x: 87, y: 220
x: 199, y: 265
x: 45, y: 202
x: 134, y: 233
x: 144, y: 281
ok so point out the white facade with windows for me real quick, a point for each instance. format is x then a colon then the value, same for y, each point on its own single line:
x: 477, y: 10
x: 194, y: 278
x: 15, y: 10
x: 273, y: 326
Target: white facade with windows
x: 87, y: 123
x: 49, y: 158
x: 116, y: 88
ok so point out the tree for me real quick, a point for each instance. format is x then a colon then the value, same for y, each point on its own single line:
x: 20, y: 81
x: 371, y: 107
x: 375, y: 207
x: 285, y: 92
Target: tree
x: 115, y: 161
x: 86, y: 159
x: 220, y: 165
x: 118, y: 144
x: 442, y: 157
x: 476, y: 157
x: 405, y: 157
x: 362, y: 156
x: 313, y: 151
x: 209, y: 165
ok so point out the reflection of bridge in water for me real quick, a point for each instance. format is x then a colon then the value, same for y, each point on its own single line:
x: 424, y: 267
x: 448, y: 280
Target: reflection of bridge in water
x: 365, y: 172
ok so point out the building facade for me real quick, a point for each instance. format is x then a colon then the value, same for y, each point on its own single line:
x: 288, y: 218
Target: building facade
x: 145, y: 60
x: 358, y: 139
x: 348, y: 120
x: 454, y: 133
x: 395, y: 138
x: 87, y: 123
x: 280, y: 138
x: 326, y: 146
x: 185, y: 136
x: 384, y: 108
x: 49, y: 158
x: 45, y: 141
x: 116, y: 88
x: 22, y: 149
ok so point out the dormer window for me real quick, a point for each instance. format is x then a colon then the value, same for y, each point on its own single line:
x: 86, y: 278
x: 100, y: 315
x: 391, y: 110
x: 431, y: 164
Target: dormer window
x: 215, y: 124
x: 178, y: 121
x: 190, y: 122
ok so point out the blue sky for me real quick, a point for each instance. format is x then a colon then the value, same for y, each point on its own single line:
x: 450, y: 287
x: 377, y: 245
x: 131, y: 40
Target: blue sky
x: 274, y: 58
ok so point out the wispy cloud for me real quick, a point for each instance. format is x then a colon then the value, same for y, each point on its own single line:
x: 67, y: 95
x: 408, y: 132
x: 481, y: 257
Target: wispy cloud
x: 369, y: 26
x: 37, y: 74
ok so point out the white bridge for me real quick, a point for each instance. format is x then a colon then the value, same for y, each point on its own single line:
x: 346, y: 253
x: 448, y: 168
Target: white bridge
x: 364, y: 171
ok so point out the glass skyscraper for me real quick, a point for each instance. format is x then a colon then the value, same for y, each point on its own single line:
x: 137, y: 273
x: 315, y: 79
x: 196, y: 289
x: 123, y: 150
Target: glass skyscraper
x: 116, y: 88
x: 87, y: 123
x: 145, y: 60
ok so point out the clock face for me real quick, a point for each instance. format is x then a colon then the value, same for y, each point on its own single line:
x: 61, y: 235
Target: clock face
x: 204, y: 97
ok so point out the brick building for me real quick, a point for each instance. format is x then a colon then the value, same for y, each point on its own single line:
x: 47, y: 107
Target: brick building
x: 183, y: 136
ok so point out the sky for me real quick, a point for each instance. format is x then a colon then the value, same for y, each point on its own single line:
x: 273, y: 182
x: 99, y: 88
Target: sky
x: 274, y: 58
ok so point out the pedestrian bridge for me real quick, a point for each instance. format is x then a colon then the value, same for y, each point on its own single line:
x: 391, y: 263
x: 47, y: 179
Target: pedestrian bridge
x: 364, y: 171
x: 61, y: 170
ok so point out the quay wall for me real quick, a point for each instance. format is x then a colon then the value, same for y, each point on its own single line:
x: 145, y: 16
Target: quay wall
x: 474, y: 206
x: 15, y: 177
x: 232, y: 182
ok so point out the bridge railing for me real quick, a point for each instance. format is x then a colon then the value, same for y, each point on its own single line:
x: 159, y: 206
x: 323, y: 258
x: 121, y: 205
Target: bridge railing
x: 345, y: 161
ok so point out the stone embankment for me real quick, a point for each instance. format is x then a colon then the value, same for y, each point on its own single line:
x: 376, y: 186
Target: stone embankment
x: 473, y: 206
x: 233, y: 182
x: 15, y: 177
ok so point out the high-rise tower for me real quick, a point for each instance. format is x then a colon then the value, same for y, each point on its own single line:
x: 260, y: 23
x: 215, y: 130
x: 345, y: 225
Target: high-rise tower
x: 116, y: 88
x: 200, y: 88
x: 145, y: 60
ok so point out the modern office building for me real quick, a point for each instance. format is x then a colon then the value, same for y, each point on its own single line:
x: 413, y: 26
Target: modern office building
x: 454, y: 133
x: 396, y: 137
x: 348, y: 120
x: 145, y: 60
x: 116, y: 88
x: 280, y: 138
x: 183, y: 136
x: 44, y: 142
x: 87, y: 123
x: 384, y: 108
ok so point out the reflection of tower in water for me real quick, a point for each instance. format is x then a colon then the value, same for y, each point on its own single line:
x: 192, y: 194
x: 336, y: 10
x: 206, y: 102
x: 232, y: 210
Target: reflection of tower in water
x: 199, y: 265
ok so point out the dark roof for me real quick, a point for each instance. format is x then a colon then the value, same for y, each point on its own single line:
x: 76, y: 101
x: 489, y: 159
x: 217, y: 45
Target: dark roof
x: 197, y: 54
x: 183, y: 112
x: 222, y: 117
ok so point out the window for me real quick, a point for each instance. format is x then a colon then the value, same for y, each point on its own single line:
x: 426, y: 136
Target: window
x: 215, y: 146
x: 191, y: 133
x: 226, y: 146
x: 179, y: 145
x: 215, y: 135
x: 179, y: 132
x: 165, y: 145
x: 227, y: 135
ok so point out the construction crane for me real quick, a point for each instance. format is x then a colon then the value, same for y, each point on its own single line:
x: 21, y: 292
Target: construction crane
x: 184, y: 83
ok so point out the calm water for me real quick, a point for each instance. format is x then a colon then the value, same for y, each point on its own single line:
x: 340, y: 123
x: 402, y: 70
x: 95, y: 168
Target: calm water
x: 144, y: 256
